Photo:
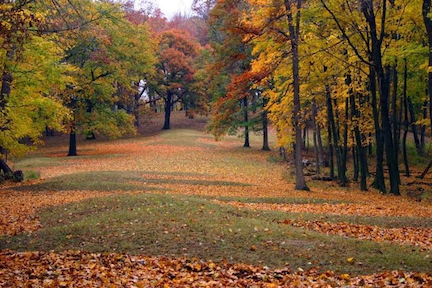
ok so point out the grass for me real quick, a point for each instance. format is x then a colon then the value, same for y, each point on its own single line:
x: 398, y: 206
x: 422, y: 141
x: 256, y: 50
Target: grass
x: 382, y: 221
x: 31, y: 175
x: 186, y: 137
x: 279, y: 200
x: 115, y: 180
x: 36, y: 162
x: 178, y: 225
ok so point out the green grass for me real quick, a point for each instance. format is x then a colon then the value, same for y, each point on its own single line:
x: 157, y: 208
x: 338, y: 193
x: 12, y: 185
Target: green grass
x: 179, y: 225
x: 31, y: 175
x: 278, y: 200
x: 185, y: 137
x: 115, y: 180
x: 36, y: 162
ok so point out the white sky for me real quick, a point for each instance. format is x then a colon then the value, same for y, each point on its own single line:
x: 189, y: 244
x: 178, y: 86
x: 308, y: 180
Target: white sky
x: 172, y: 7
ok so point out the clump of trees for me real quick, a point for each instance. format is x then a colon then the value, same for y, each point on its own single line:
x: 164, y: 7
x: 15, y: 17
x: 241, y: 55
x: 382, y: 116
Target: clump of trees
x: 357, y: 73
x: 86, y: 67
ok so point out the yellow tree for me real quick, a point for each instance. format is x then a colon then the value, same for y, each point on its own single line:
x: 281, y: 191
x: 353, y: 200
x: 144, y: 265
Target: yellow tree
x: 31, y: 79
x: 275, y: 27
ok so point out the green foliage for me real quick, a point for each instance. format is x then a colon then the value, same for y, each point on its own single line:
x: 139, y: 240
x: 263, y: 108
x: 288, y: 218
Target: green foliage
x: 33, y: 103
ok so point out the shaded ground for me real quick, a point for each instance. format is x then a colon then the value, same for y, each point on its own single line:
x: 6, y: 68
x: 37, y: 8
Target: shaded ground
x: 180, y: 194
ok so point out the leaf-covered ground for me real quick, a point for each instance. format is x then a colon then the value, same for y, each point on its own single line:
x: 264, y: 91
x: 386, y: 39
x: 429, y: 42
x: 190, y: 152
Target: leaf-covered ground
x: 179, y: 196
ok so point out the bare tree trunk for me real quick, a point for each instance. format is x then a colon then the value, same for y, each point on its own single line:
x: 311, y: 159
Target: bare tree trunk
x: 384, y: 89
x: 318, y: 158
x: 423, y: 130
x: 294, y: 33
x: 378, y: 182
x: 330, y: 148
x: 414, y: 125
x: 361, y: 152
x: 265, y: 127
x: 246, y: 120
x: 394, y: 114
x: 405, y: 104
x: 168, y: 107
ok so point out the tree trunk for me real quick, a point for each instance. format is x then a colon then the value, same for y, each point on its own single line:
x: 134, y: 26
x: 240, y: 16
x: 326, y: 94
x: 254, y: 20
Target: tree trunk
x: 315, y: 142
x: 168, y: 106
x: 330, y: 148
x: 265, y: 127
x: 6, y: 80
x: 318, y: 157
x: 5, y: 168
x: 355, y: 163
x: 395, y: 114
x: 423, y: 131
x: 405, y: 104
x: 72, y: 143
x: 384, y: 90
x: 294, y: 31
x: 322, y: 157
x: 426, y: 170
x: 49, y: 132
x: 345, y: 146
x: 339, y: 153
x: 378, y: 182
x: 388, y: 137
x: 361, y: 152
x: 246, y: 120
x: 414, y: 125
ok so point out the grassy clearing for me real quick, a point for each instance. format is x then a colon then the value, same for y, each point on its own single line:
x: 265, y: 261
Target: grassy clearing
x: 186, y: 137
x: 36, y: 163
x: 192, y: 226
x: 176, y: 225
x: 279, y: 200
x: 115, y: 180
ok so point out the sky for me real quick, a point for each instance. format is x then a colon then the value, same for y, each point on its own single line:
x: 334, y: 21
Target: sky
x: 172, y: 7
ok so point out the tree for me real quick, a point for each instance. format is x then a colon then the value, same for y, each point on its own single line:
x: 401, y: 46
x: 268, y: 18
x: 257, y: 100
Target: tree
x: 106, y: 54
x: 32, y: 78
x: 174, y: 77
x: 276, y: 27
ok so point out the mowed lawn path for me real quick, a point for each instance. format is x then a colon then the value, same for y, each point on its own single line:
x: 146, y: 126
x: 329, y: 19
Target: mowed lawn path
x: 178, y: 208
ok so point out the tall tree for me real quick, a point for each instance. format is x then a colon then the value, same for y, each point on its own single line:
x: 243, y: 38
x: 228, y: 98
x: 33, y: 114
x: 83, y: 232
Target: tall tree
x: 175, y: 70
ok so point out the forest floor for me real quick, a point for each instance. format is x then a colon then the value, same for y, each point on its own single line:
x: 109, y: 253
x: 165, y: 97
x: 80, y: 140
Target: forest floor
x: 177, y: 208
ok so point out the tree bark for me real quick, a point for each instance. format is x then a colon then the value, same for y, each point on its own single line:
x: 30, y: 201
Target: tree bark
x: 330, y: 148
x: 426, y: 170
x: 294, y: 33
x: 384, y: 89
x: 72, y: 143
x: 318, y: 155
x: 265, y: 127
x: 322, y: 156
x: 414, y: 125
x: 395, y: 110
x: 6, y: 80
x: 246, y: 120
x: 168, y: 106
x: 426, y: 10
x: 345, y: 146
x: 405, y: 104
x: 378, y: 182
x: 5, y: 168
x: 361, y: 152
x: 341, y: 172
x: 423, y: 131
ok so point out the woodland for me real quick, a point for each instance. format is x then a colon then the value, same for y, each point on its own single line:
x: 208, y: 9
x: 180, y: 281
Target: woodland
x: 253, y: 142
